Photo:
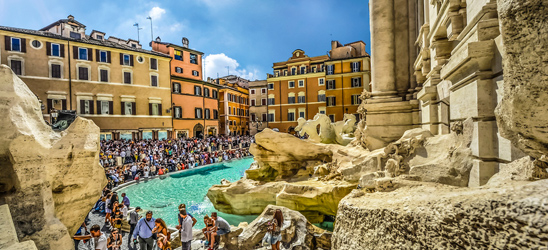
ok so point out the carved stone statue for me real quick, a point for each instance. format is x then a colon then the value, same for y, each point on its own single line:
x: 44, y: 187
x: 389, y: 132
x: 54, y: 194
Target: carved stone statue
x: 341, y: 132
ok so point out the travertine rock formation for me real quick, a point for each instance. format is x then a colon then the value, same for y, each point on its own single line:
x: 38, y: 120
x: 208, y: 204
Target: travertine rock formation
x: 322, y: 130
x: 521, y: 115
x: 9, y: 240
x: 49, y: 179
x: 421, y: 215
x: 297, y: 232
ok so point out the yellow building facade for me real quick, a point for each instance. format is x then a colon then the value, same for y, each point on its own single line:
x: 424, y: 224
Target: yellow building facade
x: 123, y: 88
x: 233, y: 105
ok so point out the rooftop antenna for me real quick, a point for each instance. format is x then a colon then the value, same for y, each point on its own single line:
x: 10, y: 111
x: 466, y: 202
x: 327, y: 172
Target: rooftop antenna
x: 228, y: 70
x: 151, y: 33
x: 138, y: 37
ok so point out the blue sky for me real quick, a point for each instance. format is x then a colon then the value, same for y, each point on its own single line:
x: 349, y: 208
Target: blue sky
x: 245, y: 35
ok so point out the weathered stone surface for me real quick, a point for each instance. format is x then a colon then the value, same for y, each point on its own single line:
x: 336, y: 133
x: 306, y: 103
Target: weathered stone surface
x: 281, y: 156
x: 521, y: 115
x: 9, y: 236
x: 297, y: 232
x: 421, y: 215
x: 49, y: 179
x: 314, y: 199
x: 524, y: 169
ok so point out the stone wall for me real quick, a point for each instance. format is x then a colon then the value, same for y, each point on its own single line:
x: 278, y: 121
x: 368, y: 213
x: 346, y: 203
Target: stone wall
x: 521, y: 114
x: 434, y: 216
x: 49, y: 179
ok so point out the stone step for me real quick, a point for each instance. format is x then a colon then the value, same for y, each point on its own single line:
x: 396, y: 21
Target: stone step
x: 8, y: 238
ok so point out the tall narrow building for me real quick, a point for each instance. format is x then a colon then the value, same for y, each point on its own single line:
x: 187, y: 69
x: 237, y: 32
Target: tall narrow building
x: 233, y: 105
x: 195, y: 103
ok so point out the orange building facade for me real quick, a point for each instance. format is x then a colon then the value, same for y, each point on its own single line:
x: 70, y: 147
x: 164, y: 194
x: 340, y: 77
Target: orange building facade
x: 195, y: 103
x: 233, y: 105
x: 304, y: 86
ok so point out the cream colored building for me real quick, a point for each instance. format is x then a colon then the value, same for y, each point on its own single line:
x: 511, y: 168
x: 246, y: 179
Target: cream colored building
x: 436, y: 63
x: 123, y: 88
x: 258, y: 106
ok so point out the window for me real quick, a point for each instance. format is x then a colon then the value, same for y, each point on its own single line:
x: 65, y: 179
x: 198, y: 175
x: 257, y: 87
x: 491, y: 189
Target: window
x: 264, y: 117
x: 56, y: 71
x: 321, y: 81
x: 127, y: 77
x: 356, y: 100
x: 356, y: 82
x: 55, y: 49
x: 301, y: 99
x: 103, y: 107
x: 206, y: 92
x: 252, y: 102
x: 355, y: 66
x: 207, y: 114
x: 263, y: 90
x: 215, y: 114
x: 193, y: 58
x: 253, y: 117
x: 270, y: 117
x: 82, y: 53
x: 195, y: 73
x: 198, y: 113
x: 154, y: 80
x: 128, y: 108
x: 139, y: 59
x: 301, y: 113
x: 178, y: 55
x: 75, y: 35
x: 252, y: 91
x: 103, y: 56
x: 99, y: 37
x: 197, y: 90
x: 271, y: 86
x: 331, y: 101
x: 330, y: 69
x: 176, y: 88
x: 291, y: 84
x: 301, y: 83
x: 303, y: 70
x: 154, y: 108
x: 321, y: 97
x: 291, y: 99
x: 331, y: 84
x: 293, y: 71
x: 178, y: 70
x: 332, y: 118
x: 86, y: 107
x: 263, y: 101
x: 83, y: 73
x: 322, y: 110
x: 16, y: 66
x: 314, y: 69
x: 15, y: 44
x: 134, y: 45
x: 153, y: 63
x: 214, y: 94
x: 229, y: 110
x: 36, y: 44
x: 177, y: 112
x: 126, y: 60
x: 271, y: 101
x: 291, y: 116
x: 103, y: 75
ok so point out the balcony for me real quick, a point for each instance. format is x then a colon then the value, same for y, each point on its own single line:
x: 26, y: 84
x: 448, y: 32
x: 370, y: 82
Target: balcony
x: 297, y: 73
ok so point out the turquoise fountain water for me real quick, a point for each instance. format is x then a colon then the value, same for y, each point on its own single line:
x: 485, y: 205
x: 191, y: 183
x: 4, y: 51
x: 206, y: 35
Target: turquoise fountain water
x: 163, y: 195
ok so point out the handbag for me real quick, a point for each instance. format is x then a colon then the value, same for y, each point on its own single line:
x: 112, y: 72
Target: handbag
x: 267, y: 239
x: 154, y: 235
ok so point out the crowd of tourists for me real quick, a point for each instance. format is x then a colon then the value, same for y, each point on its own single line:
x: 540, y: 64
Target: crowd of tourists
x: 151, y: 233
x: 126, y: 160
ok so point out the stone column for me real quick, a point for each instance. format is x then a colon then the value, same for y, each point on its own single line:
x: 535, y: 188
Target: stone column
x: 383, y: 49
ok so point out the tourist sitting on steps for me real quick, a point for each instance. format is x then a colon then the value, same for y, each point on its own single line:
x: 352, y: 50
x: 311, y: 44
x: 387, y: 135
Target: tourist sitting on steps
x: 221, y: 227
x: 208, y: 229
x: 99, y: 237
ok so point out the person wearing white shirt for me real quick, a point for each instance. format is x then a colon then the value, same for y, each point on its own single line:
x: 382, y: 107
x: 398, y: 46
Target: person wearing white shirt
x: 99, y: 238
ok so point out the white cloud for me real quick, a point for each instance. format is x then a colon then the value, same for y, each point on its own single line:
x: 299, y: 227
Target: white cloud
x: 156, y: 13
x: 218, y: 63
